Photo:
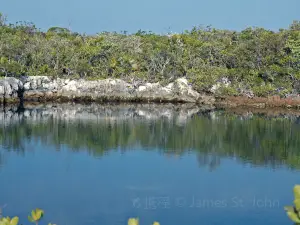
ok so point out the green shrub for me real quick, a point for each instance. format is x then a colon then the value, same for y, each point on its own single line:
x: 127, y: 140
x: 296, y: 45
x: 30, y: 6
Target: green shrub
x: 35, y: 217
x: 293, y: 212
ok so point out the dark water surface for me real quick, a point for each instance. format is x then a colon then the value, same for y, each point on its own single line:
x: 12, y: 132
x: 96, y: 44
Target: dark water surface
x: 175, y: 164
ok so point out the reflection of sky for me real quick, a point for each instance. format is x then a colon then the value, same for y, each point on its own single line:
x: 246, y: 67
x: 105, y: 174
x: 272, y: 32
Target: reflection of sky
x: 75, y: 188
x: 93, y: 16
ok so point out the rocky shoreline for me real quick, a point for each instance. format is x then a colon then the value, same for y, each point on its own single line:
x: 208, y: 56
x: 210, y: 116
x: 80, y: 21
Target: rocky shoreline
x: 45, y: 89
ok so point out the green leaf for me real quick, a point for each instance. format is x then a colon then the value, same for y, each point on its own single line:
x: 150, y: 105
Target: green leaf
x: 289, y: 208
x: 293, y: 216
x: 31, y: 219
x: 39, y: 213
x: 297, y: 204
x: 14, y: 221
x: 297, y: 191
x: 6, y: 220
x: 36, y: 215
x: 133, y: 221
x: 3, y: 60
x: 33, y: 215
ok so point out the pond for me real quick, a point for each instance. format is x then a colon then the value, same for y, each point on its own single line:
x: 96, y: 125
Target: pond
x: 176, y: 164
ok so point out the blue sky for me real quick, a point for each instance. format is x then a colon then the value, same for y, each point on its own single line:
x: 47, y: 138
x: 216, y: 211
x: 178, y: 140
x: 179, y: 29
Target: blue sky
x: 161, y: 16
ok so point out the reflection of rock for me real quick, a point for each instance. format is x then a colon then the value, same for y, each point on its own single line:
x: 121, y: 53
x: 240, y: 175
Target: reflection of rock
x: 105, y: 112
x: 167, y: 128
x: 42, y: 88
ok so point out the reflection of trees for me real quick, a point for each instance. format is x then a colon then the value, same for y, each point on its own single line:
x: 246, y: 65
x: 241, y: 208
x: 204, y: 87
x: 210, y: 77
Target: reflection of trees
x: 1, y: 160
x: 259, y: 141
x: 210, y: 160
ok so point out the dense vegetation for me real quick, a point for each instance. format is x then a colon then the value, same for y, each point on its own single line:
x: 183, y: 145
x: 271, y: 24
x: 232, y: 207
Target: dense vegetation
x: 264, y: 61
x: 259, y: 141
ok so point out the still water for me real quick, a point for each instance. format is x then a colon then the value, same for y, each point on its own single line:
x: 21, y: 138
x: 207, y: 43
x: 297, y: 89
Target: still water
x: 101, y: 164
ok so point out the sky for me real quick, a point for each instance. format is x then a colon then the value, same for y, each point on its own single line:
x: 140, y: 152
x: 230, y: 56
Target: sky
x: 159, y: 16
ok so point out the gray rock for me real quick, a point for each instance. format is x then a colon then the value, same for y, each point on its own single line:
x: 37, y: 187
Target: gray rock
x: 27, y: 86
x: 184, y: 92
x: 247, y: 93
x: 178, y: 91
x: 223, y: 82
x: 42, y: 88
x: 153, y: 91
x: 10, y: 88
x: 38, y: 82
x: 101, y: 89
x: 1, y: 89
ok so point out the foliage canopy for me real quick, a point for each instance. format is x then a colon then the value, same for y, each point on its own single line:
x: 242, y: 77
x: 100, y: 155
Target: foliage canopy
x: 255, y: 58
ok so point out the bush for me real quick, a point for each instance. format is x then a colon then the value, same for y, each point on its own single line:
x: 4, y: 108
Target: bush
x: 293, y: 212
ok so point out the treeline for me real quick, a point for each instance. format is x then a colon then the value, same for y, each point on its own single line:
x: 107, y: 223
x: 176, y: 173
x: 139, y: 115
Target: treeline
x: 256, y: 59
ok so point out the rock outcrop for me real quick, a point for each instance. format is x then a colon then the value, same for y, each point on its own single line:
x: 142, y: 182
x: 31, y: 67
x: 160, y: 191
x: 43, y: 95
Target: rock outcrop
x: 10, y: 89
x: 43, y: 88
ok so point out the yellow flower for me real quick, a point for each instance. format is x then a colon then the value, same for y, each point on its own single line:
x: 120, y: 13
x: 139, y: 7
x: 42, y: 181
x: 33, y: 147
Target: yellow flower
x: 133, y: 221
x: 156, y: 223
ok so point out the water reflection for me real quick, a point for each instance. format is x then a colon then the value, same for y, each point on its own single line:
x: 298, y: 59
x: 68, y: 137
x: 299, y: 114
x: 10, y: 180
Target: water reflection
x: 172, y: 130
